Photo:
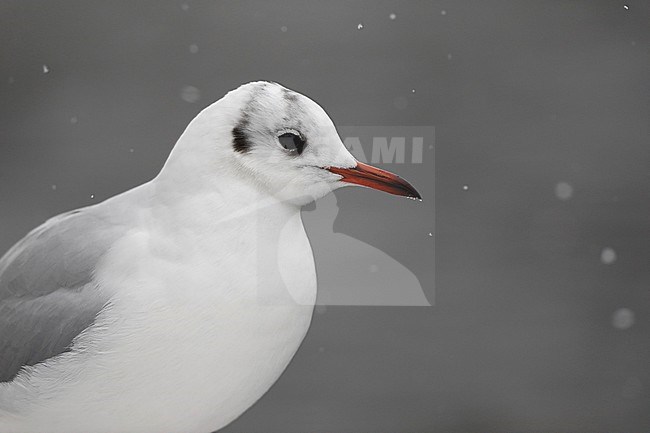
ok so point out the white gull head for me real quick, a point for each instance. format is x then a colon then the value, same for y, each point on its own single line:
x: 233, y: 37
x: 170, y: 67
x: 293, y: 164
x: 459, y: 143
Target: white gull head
x: 271, y: 141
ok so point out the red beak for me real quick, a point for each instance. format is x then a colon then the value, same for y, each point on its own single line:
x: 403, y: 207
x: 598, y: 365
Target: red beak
x: 373, y: 177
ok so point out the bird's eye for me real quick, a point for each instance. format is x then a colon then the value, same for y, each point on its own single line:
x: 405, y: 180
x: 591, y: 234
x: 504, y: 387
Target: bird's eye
x: 293, y: 142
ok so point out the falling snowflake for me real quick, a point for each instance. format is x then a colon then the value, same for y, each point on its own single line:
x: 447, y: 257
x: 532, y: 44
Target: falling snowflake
x: 283, y: 29
x: 74, y: 120
x: 190, y: 94
x: 359, y: 26
x: 46, y: 69
x: 465, y: 187
x: 92, y: 196
x: 623, y: 318
x: 194, y: 48
x: 608, y: 256
x: 563, y: 191
x: 392, y: 16
x: 443, y: 12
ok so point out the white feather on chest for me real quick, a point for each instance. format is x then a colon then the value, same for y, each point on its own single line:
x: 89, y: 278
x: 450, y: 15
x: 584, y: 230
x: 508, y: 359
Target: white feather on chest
x: 195, y: 332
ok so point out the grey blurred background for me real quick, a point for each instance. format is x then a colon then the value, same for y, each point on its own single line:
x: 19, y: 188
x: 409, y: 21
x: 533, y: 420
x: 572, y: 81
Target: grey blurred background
x: 541, y: 109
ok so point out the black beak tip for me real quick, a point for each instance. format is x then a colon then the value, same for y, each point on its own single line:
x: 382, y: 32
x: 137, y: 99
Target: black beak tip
x: 412, y: 193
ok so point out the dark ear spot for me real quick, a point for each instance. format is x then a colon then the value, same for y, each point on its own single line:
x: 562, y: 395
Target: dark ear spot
x: 240, y: 141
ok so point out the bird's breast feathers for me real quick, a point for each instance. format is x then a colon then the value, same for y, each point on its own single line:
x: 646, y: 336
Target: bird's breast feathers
x: 191, y: 337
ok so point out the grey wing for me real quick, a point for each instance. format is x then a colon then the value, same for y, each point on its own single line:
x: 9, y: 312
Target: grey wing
x: 47, y: 293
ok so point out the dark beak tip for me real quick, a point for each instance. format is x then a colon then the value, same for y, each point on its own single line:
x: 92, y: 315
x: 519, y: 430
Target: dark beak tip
x: 414, y: 194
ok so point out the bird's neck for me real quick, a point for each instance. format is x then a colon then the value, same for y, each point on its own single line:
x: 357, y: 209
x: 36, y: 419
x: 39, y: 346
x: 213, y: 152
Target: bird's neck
x: 213, y: 204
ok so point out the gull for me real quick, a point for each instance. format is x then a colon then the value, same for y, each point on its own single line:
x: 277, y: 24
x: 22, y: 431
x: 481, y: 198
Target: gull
x: 174, y: 306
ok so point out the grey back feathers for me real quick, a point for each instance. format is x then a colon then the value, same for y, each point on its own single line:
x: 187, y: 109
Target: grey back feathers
x: 47, y: 293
